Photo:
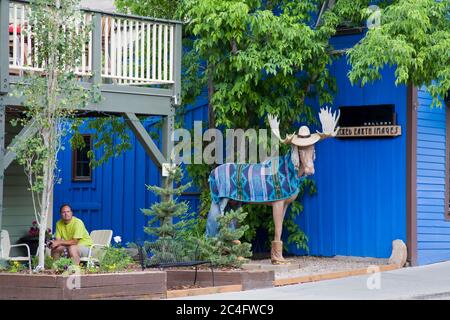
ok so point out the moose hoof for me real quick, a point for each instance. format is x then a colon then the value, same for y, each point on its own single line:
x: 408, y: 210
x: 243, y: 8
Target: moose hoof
x: 280, y: 262
x: 276, y: 254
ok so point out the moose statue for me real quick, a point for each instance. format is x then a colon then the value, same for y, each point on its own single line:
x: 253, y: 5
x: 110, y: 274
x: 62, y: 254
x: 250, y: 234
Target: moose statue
x: 274, y: 182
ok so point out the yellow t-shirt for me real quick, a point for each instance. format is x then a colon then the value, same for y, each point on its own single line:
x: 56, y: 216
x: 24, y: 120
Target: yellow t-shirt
x: 75, y: 229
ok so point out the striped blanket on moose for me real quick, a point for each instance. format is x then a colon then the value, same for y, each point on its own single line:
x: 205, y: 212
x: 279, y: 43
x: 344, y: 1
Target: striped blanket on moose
x: 259, y: 182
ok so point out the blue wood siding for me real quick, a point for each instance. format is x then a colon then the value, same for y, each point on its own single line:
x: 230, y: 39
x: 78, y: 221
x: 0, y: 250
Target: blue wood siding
x: 117, y: 193
x: 433, y: 231
x: 360, y: 206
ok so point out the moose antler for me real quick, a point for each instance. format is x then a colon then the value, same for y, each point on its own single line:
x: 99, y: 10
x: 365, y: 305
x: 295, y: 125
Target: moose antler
x: 275, y: 125
x: 329, y: 121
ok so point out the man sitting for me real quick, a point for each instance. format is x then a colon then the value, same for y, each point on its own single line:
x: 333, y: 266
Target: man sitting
x: 72, y: 238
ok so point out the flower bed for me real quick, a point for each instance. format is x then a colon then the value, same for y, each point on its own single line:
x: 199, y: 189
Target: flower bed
x: 150, y: 284
x: 131, y: 285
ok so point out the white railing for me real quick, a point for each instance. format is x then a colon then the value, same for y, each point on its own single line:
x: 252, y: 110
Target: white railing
x: 24, y: 52
x: 134, y: 51
x: 137, y: 51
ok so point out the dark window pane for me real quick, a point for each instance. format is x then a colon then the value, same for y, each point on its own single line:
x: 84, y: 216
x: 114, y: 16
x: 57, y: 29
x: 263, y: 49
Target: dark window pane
x: 81, y: 170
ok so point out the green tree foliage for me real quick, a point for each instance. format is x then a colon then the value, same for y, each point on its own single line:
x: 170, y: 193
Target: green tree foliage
x: 110, y: 135
x: 259, y: 57
x: 151, y: 8
x: 413, y: 36
x: 163, y: 213
x: 173, y: 243
x: 256, y: 57
x: 226, y: 250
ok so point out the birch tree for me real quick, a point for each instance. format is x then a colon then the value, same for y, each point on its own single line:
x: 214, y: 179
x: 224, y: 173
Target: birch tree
x: 51, y: 98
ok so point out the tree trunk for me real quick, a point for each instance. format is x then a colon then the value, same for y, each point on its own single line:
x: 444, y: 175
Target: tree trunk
x: 49, y: 136
x: 211, y: 114
x: 46, y: 196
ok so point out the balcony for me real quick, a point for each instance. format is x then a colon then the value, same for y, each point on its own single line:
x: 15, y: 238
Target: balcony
x: 124, y: 54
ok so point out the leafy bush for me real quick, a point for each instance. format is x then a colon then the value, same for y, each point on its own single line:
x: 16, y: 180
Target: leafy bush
x: 62, y: 265
x: 4, y: 264
x: 48, y: 262
x: 15, y: 266
x: 92, y: 269
x: 114, y: 259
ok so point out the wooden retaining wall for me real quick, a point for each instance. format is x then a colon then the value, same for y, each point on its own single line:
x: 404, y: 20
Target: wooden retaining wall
x: 249, y: 279
x: 133, y: 285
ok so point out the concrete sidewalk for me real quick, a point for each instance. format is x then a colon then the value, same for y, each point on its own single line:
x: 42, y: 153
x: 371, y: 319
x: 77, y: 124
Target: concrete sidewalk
x: 425, y: 282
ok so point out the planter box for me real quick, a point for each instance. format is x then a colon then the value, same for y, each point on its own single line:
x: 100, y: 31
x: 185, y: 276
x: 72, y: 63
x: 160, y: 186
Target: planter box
x: 202, y: 291
x: 249, y: 279
x: 133, y: 285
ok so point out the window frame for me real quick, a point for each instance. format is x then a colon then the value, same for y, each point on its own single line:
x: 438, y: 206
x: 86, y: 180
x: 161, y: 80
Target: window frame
x: 75, y: 151
x: 447, y: 160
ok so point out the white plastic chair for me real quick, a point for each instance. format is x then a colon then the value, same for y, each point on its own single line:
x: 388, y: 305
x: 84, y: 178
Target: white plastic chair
x: 100, y: 239
x: 6, y: 246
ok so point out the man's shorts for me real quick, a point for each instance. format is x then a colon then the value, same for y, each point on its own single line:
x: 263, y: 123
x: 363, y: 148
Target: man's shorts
x: 84, y: 251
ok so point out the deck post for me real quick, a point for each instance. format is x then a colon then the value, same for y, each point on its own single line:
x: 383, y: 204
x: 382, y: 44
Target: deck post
x: 4, y: 47
x: 167, y: 141
x: 96, y: 49
x: 177, y: 64
x: 2, y: 153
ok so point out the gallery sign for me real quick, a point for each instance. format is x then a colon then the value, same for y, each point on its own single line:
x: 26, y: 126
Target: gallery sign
x: 368, y: 121
x: 369, y: 131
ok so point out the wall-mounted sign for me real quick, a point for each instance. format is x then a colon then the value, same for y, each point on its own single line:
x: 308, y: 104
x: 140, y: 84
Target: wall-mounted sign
x: 368, y: 121
x: 368, y: 115
x: 369, y: 131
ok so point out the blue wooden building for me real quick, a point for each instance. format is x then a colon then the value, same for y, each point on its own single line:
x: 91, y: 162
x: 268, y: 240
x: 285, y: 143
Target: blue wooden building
x: 114, y: 194
x: 374, y: 190
x: 371, y: 191
x: 109, y: 62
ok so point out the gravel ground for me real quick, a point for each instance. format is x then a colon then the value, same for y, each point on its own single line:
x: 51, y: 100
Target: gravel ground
x: 306, y: 265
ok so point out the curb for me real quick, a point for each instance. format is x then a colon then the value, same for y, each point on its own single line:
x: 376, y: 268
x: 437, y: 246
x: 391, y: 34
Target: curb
x: 203, y: 291
x: 331, y: 275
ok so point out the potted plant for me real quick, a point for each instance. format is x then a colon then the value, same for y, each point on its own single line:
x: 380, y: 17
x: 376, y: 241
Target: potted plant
x: 32, y: 237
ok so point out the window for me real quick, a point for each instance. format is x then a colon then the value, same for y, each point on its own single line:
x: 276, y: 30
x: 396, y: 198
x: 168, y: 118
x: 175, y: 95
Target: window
x: 367, y: 115
x: 81, y: 171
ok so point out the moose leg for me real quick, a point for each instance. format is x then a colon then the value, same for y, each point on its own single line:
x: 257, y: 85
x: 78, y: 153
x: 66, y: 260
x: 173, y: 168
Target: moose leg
x: 285, y: 206
x: 211, y: 222
x: 215, y: 211
x: 278, y: 211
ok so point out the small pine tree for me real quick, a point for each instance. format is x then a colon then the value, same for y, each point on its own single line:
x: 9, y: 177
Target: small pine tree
x: 163, y: 214
x: 168, y: 208
x: 226, y: 247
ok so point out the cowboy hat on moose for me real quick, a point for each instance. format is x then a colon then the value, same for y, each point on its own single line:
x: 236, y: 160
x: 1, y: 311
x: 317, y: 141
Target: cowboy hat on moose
x: 249, y: 183
x: 304, y: 138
